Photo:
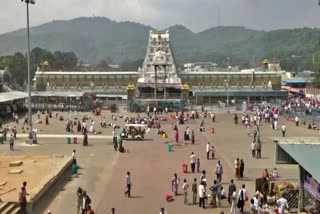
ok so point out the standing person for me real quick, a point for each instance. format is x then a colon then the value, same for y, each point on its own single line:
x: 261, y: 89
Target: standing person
x: 258, y: 150
x: 162, y: 211
x: 23, y: 198
x: 47, y: 120
x: 11, y: 142
x: 213, y: 150
x: 38, y: 114
x: 242, y: 197
x: 202, y: 194
x: 193, y: 160
x: 194, y: 191
x: 241, y: 169
x: 74, y: 156
x: 128, y: 185
x: 79, y: 199
x: 192, y: 137
x: 219, y: 171
x: 86, y: 201
x: 237, y: 166
x: 208, y: 150
x: 113, y: 210
x: 233, y: 201
x: 175, y: 184
x: 253, y: 149
x: 185, y: 188
x: 282, y: 204
x: 176, y: 136
x: 296, y: 119
x: 232, y: 188
x: 214, y: 191
x: 283, y: 128
x: 85, y: 139
x: 198, y: 165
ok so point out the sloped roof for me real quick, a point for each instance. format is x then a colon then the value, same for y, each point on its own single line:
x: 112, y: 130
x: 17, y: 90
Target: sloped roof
x: 12, y: 95
x: 306, y: 155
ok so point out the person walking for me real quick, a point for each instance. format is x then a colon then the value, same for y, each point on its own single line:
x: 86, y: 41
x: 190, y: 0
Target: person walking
x: 198, y: 165
x: 232, y: 188
x: 241, y: 169
x: 253, y: 149
x: 208, y: 150
x: 175, y: 184
x: 242, y: 197
x: 194, y: 191
x: 11, y: 142
x: 282, y: 204
x: 23, y: 198
x: 284, y: 129
x: 113, y: 210
x: 219, y: 171
x: 128, y: 185
x: 233, y: 201
x: 202, y: 195
x: 185, y: 188
x: 193, y: 160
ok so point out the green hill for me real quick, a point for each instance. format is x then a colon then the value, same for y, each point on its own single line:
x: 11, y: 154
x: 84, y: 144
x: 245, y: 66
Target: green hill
x: 94, y: 39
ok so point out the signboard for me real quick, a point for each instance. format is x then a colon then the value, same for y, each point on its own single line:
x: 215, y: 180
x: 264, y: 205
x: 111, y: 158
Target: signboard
x: 312, y: 186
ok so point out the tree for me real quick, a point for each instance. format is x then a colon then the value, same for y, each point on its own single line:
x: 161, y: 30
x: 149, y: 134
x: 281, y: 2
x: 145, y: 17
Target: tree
x: 64, y: 60
x: 17, y: 66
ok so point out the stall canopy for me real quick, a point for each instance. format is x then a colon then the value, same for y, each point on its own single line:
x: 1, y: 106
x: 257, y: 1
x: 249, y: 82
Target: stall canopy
x: 306, y: 155
x: 12, y: 95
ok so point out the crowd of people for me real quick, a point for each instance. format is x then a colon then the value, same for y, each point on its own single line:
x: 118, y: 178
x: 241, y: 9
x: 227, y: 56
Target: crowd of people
x: 204, y: 193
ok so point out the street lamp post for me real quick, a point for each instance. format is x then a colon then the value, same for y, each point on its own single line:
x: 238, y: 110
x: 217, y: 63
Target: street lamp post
x: 227, y: 84
x: 29, y: 75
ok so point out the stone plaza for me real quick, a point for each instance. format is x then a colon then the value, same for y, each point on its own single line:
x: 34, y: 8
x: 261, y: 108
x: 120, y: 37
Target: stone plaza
x: 103, y: 170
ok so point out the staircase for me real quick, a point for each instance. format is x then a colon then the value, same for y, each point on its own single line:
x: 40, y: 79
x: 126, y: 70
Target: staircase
x: 9, y: 208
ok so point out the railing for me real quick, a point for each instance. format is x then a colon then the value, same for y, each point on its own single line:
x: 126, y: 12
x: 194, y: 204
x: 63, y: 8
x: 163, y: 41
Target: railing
x: 160, y: 95
x: 231, y: 87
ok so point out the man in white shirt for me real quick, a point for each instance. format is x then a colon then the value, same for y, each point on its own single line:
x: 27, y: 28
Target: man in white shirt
x: 202, y: 194
x: 185, y: 188
x: 162, y: 211
x: 282, y: 205
x: 128, y: 185
x: 208, y: 150
x: 283, y: 128
x: 74, y: 157
x: 193, y: 160
x: 253, y: 149
x: 242, y: 198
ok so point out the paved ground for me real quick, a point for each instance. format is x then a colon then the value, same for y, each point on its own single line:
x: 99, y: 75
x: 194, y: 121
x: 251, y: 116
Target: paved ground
x: 152, y: 167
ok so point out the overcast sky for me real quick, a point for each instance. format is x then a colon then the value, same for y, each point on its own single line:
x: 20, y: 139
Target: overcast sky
x: 197, y: 15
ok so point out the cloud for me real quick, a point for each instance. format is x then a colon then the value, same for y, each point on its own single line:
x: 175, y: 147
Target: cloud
x: 194, y: 14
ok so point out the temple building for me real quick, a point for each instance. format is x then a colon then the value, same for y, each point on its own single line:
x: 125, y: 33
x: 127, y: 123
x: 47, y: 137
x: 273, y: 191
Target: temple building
x: 158, y: 83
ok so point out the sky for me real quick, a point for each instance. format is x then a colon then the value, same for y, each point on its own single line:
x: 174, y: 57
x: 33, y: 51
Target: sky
x: 197, y: 15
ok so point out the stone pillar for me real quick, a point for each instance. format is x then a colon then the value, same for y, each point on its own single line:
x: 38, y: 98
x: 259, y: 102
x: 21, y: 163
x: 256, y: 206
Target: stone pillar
x: 131, y: 89
x: 185, y: 92
x: 155, y: 81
